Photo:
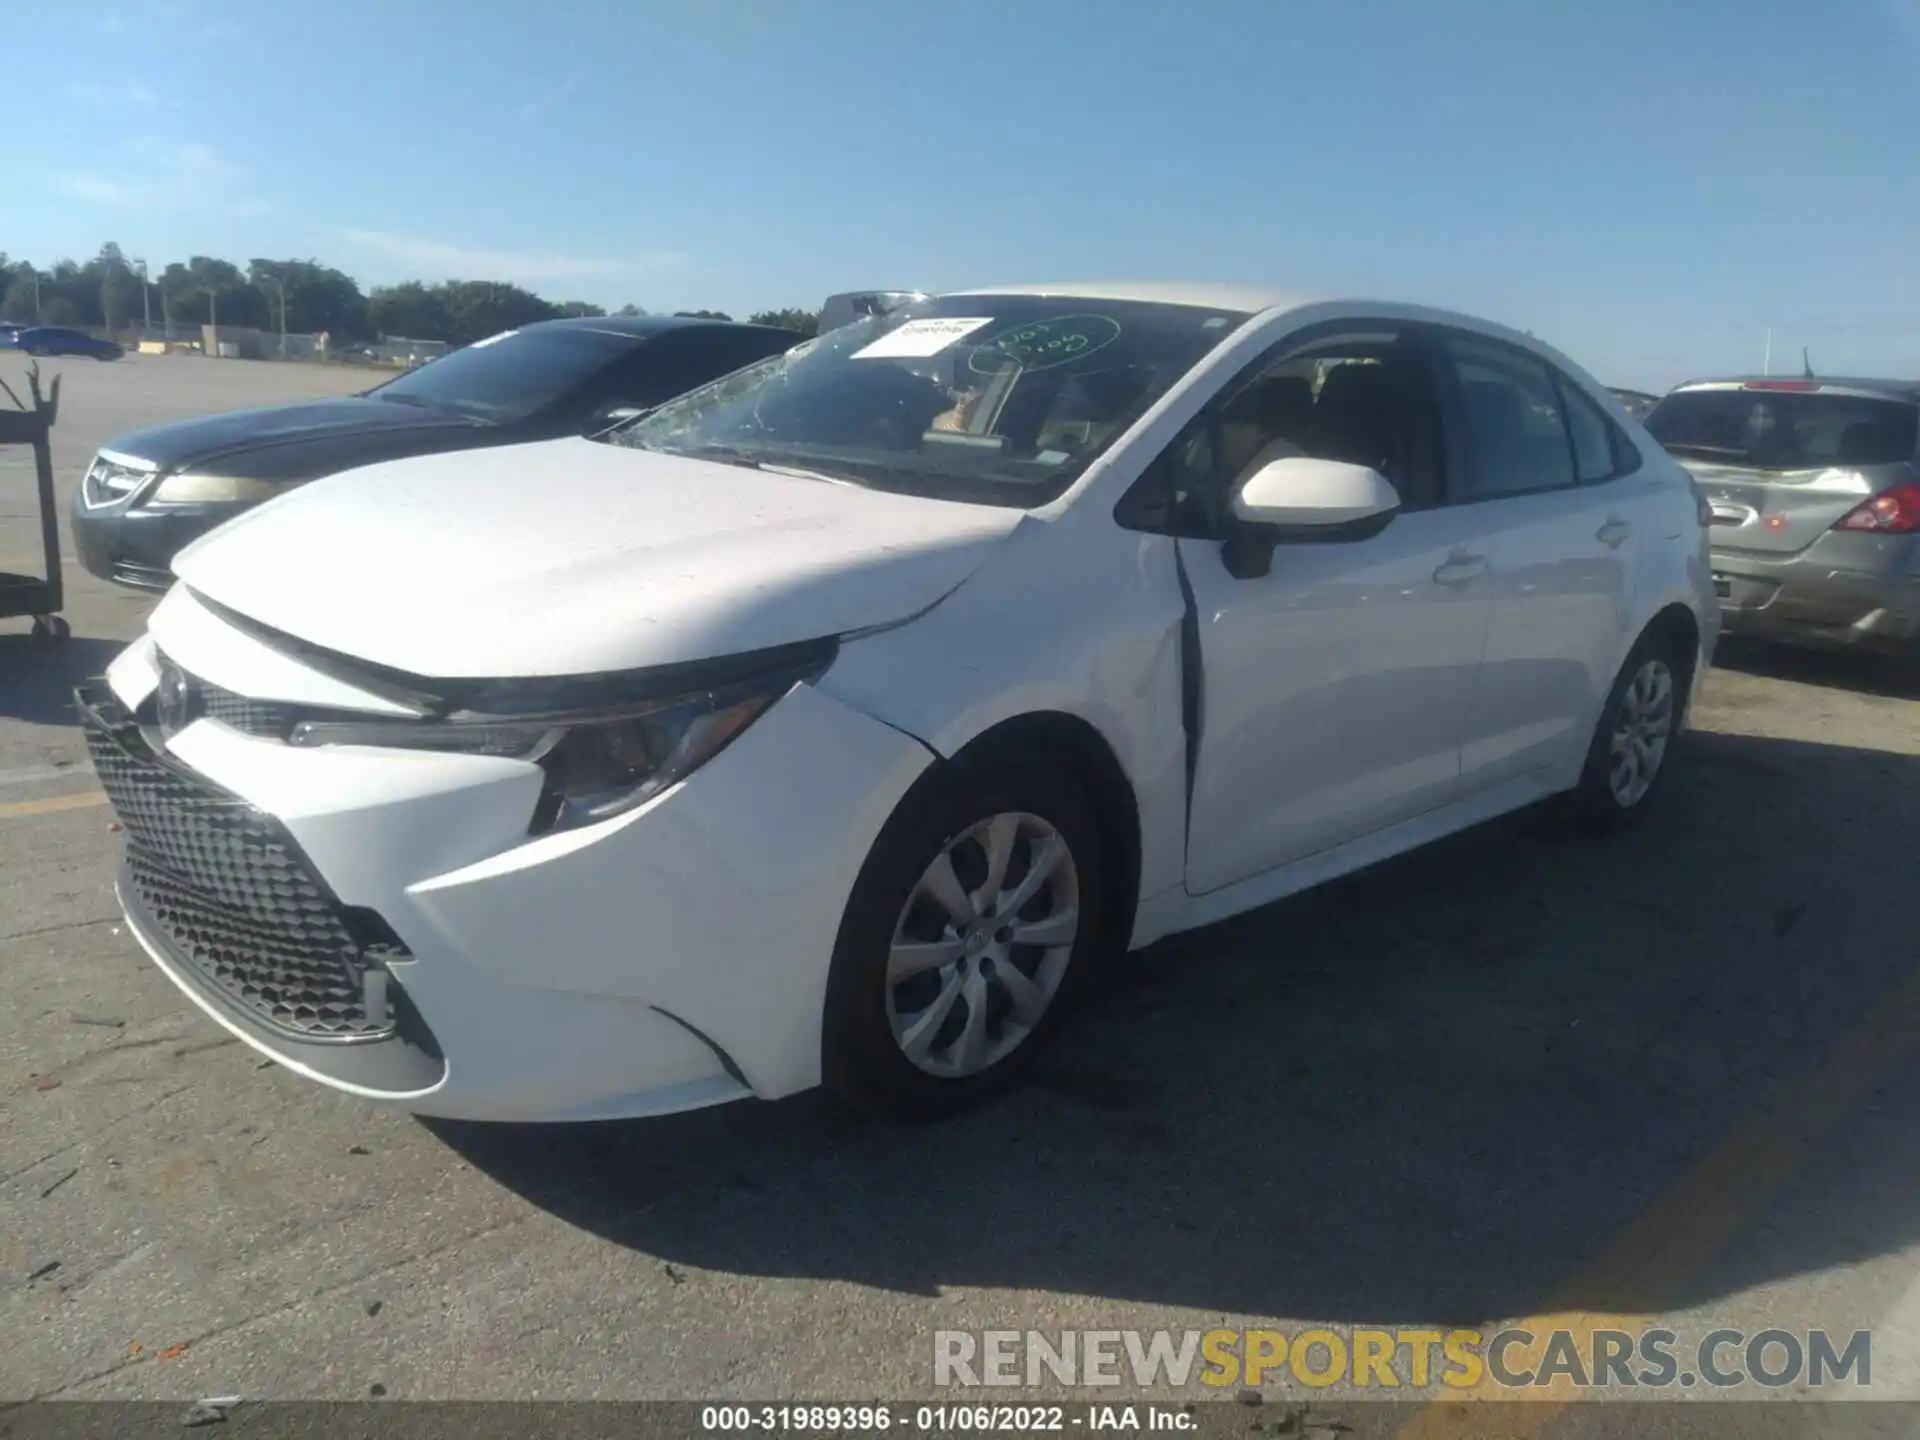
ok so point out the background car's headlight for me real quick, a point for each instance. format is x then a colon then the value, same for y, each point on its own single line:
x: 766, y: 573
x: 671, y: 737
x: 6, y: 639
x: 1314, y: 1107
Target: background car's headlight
x: 597, y: 765
x: 210, y: 490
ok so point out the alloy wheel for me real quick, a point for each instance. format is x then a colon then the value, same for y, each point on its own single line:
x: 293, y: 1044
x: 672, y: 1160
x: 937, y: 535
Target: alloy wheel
x: 1642, y: 728
x: 982, y: 945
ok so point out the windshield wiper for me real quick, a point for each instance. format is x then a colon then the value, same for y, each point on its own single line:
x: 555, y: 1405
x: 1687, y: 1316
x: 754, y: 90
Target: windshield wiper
x: 719, y: 454
x: 733, y: 455
x: 421, y: 402
x: 1709, y: 451
x: 774, y: 467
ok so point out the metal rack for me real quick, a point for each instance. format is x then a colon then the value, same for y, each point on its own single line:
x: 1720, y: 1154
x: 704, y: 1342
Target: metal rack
x: 32, y: 424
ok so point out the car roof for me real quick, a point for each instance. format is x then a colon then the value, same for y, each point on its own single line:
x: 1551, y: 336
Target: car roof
x: 1892, y: 389
x: 640, y: 327
x: 1249, y: 299
x: 1254, y: 300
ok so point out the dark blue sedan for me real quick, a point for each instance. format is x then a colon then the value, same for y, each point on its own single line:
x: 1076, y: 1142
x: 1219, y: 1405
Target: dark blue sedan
x: 58, y: 340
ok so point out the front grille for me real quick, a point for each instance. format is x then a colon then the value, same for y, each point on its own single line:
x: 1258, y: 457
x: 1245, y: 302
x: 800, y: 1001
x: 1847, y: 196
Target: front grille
x: 293, y: 966
x: 235, y: 900
x: 183, y: 698
x: 269, y: 719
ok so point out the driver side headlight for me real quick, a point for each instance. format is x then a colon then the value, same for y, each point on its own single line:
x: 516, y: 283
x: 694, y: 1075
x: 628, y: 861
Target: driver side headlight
x: 211, y: 490
x: 598, y: 764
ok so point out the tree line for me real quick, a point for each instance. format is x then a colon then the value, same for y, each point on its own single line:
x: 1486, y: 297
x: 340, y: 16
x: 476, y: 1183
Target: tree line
x: 296, y: 296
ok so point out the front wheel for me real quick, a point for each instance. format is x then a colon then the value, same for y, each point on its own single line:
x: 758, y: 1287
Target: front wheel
x: 968, y: 930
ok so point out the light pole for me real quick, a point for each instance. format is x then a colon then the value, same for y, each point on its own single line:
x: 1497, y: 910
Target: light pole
x: 38, y: 318
x: 146, y: 301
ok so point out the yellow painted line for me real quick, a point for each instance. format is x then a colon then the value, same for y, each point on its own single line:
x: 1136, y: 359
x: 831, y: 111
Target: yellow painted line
x: 83, y: 801
x: 1674, y: 1239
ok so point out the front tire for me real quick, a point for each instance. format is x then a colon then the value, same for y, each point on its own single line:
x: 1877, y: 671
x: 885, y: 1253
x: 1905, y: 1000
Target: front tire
x: 968, y: 932
x: 1632, y: 747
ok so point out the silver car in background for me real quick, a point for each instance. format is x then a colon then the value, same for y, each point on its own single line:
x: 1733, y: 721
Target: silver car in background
x: 1814, y: 485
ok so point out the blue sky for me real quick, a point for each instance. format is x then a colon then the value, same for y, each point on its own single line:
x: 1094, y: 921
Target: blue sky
x: 1649, y: 185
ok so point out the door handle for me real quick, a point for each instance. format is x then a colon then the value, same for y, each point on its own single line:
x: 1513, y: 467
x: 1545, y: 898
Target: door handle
x: 1615, y: 532
x: 1459, y: 569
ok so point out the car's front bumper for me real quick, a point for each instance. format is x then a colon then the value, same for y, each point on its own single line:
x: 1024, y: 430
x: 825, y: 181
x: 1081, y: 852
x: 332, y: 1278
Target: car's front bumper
x: 672, y: 957
x: 133, y: 545
x: 1844, y: 591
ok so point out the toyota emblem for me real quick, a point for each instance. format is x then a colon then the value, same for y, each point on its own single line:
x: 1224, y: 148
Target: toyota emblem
x: 175, y: 700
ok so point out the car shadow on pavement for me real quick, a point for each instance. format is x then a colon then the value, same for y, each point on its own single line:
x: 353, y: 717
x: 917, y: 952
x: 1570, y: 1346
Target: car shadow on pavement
x: 1895, y: 677
x: 1431, y: 1092
x: 37, y: 675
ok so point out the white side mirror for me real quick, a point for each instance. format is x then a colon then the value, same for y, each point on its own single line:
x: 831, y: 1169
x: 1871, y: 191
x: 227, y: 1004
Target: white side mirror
x: 1302, y: 493
x: 1301, y: 499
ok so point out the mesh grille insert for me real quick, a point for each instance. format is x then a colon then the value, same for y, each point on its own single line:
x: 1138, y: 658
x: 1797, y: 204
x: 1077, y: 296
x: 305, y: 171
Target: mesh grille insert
x: 235, y: 899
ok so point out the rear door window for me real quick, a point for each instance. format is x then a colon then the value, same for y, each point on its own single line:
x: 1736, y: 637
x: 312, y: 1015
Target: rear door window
x: 1786, y: 429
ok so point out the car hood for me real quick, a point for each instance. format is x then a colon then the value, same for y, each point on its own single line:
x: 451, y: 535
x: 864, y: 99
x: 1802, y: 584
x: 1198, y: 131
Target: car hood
x: 571, y: 557
x: 233, y: 434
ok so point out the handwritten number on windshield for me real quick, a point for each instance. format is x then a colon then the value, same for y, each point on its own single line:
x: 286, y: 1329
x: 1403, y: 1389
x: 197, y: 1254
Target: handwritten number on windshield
x: 1043, y: 344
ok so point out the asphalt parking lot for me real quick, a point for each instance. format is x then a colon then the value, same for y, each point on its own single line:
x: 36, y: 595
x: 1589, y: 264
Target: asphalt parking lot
x: 1672, y: 1075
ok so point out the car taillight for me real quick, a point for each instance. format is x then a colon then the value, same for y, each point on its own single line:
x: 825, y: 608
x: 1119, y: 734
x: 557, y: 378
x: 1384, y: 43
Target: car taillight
x: 1797, y: 386
x: 1894, y: 511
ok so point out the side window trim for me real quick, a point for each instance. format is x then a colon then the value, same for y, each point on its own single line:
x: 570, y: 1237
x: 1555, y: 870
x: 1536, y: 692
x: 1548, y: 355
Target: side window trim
x: 1628, y: 459
x: 1457, y: 440
x: 1561, y: 388
x: 1621, y: 451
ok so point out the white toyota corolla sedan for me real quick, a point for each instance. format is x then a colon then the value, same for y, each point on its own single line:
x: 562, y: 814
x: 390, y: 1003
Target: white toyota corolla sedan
x: 835, y: 721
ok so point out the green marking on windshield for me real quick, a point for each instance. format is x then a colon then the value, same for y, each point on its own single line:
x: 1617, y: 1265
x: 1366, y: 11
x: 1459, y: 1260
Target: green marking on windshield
x: 1044, y: 344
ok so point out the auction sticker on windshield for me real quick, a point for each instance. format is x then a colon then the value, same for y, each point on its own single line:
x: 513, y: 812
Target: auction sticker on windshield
x: 918, y: 339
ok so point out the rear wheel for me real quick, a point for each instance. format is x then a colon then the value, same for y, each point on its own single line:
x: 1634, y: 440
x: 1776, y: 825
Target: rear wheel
x: 967, y: 933
x: 1632, y: 745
